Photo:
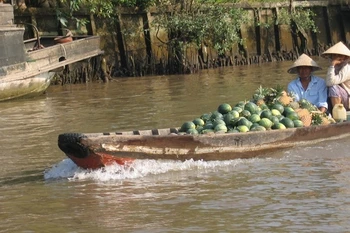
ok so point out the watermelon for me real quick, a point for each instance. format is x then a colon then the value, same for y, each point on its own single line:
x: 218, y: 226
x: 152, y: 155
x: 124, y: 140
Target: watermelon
x: 216, y: 115
x: 265, y: 122
x: 244, y: 121
x: 245, y: 113
x: 242, y: 128
x: 208, y: 125
x: 287, y: 122
x: 251, y: 107
x: 206, y: 117
x: 287, y: 110
x: 279, y: 107
x: 293, y: 116
x: 298, y: 123
x: 266, y: 113
x: 221, y: 128
x: 206, y: 131
x: 224, y: 108
x: 198, y: 122
x: 238, y: 109
x: 275, y: 112
x: 218, y: 122
x: 274, y: 119
x: 187, y: 125
x: 278, y: 125
x: 192, y: 131
x: 258, y: 128
x: 234, y: 113
x: 254, y: 118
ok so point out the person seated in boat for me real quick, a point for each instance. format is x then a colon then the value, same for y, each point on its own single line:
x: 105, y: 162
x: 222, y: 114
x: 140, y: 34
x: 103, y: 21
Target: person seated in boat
x: 306, y: 85
x: 338, y: 75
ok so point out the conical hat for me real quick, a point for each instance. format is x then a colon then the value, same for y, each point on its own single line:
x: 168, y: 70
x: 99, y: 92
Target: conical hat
x: 303, y: 60
x: 338, y: 48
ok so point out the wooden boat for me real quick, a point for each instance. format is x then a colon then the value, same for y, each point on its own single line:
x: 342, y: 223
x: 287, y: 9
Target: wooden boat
x: 25, y: 71
x: 96, y: 150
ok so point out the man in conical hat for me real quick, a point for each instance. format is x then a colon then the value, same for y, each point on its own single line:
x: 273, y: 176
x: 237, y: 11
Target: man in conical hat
x: 306, y: 85
x: 338, y: 74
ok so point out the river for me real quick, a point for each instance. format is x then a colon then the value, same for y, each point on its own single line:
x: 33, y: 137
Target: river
x: 298, y: 190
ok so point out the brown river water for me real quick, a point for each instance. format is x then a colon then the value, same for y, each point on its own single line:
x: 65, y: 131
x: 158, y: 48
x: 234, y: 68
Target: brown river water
x: 303, y: 189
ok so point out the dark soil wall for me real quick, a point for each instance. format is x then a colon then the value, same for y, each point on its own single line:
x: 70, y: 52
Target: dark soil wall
x: 132, y: 48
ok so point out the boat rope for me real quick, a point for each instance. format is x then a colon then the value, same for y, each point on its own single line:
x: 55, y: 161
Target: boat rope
x: 64, y: 50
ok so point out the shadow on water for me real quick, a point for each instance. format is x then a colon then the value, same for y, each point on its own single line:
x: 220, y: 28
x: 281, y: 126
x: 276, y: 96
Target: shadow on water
x: 22, y: 178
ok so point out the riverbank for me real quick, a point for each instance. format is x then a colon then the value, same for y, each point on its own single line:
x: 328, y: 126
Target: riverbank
x: 134, y: 47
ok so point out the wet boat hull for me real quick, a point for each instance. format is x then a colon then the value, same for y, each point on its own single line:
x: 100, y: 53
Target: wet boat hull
x: 167, y: 144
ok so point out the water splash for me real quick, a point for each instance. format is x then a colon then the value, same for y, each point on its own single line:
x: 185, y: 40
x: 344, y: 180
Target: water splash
x: 66, y: 169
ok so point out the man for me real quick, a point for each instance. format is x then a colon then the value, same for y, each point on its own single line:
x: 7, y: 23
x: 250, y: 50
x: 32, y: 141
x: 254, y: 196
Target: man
x: 338, y: 74
x: 306, y: 85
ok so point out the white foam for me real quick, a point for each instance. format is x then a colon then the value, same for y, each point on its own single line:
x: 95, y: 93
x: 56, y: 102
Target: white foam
x: 66, y: 169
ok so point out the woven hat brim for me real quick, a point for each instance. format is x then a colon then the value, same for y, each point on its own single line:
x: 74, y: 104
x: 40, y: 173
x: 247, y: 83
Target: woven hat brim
x: 303, y: 60
x: 339, y: 48
x: 294, y: 70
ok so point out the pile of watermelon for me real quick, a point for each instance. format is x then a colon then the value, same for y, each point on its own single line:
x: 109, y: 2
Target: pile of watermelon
x: 243, y: 117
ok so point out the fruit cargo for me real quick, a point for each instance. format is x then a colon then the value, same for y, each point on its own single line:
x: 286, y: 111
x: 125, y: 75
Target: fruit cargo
x: 271, y: 121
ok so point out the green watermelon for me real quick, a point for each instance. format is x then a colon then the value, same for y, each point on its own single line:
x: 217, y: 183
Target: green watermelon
x: 242, y: 128
x: 258, y: 128
x: 221, y: 128
x: 287, y: 122
x: 254, y: 118
x: 265, y: 122
x: 287, y: 110
x: 198, y: 122
x: 218, y: 122
x: 192, y: 131
x: 266, y: 113
x: 187, y: 125
x: 298, y: 123
x: 245, y: 113
x: 293, y: 116
x: 278, y: 125
x: 251, y: 107
x: 244, y: 121
x: 224, y: 108
x: 279, y: 107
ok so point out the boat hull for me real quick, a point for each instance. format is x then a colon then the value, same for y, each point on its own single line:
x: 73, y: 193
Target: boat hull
x: 31, y: 86
x: 167, y: 144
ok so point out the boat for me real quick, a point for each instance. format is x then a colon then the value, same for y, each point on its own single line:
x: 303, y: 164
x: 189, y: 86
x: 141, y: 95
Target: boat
x: 26, y: 72
x: 97, y: 150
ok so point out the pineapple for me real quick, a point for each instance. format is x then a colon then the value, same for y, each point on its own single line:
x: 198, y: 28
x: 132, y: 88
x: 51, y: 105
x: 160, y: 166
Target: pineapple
x: 285, y: 100
x: 306, y: 119
x: 259, y: 95
x: 306, y: 104
x: 294, y: 105
x: 302, y: 112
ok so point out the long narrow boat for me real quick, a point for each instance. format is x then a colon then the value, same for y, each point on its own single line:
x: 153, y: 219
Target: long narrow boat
x: 96, y: 150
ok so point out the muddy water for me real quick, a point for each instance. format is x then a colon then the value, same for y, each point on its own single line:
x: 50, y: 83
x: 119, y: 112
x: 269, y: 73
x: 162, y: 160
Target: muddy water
x: 298, y: 190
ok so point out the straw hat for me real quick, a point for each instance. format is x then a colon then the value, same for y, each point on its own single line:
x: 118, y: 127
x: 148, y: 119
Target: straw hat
x: 338, y: 48
x: 303, y: 60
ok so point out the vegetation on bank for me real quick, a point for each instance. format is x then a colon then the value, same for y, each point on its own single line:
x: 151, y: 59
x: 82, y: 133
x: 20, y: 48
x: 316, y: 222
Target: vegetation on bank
x: 199, y: 24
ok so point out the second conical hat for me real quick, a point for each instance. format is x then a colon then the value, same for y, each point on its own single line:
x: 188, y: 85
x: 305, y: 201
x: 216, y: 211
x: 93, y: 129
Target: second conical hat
x: 303, y: 60
x: 339, y: 48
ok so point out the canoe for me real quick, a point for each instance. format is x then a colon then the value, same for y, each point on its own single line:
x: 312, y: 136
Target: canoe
x: 96, y: 150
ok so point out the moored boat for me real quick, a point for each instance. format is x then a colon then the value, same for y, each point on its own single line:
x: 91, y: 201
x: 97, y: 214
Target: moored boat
x: 96, y: 150
x: 25, y: 72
